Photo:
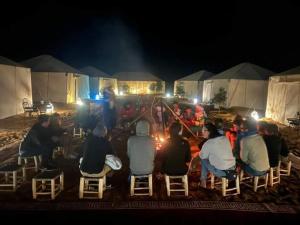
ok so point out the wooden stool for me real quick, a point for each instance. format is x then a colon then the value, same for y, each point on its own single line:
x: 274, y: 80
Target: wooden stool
x: 58, y: 151
x: 35, y: 159
x: 256, y: 184
x: 92, y: 186
x: 135, y: 185
x: 183, y: 185
x: 225, y: 190
x: 77, y: 132
x: 285, y: 171
x: 14, y: 175
x: 274, y: 175
x: 48, y: 183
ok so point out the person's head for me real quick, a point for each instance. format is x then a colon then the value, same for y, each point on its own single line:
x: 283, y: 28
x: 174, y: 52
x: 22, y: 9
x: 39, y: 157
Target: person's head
x: 127, y: 105
x: 44, y: 120
x: 248, y: 125
x: 188, y: 110
x: 210, y: 131
x: 219, y: 123
x: 142, y: 128
x: 100, y: 130
x: 175, y: 130
x: 55, y: 119
x: 261, y: 127
x: 238, y: 120
x: 175, y: 105
x: 198, y: 108
x: 272, y: 129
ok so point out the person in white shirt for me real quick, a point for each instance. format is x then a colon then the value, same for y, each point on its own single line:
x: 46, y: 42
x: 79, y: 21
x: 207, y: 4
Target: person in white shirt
x: 216, y: 154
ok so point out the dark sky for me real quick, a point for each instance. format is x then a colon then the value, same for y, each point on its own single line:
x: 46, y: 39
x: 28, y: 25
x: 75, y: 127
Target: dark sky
x: 170, y: 40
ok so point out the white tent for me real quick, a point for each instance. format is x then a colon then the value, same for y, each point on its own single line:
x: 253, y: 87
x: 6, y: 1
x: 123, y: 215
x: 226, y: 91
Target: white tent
x: 246, y: 85
x: 56, y: 81
x: 15, y: 84
x: 284, y: 95
x: 193, y: 84
x: 99, y: 80
x: 138, y: 82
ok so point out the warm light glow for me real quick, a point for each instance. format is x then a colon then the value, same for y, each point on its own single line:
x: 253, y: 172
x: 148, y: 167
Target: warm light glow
x: 255, y: 115
x: 121, y: 93
x: 79, y: 102
x: 195, y: 101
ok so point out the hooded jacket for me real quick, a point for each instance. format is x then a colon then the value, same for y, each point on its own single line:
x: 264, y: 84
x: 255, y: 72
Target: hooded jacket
x: 141, y: 150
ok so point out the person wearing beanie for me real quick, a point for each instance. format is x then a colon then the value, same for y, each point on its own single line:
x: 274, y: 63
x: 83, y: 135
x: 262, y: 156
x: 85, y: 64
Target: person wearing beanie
x: 95, y: 149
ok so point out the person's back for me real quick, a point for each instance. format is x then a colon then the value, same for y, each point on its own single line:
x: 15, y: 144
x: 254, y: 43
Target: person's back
x: 273, y: 143
x: 177, y: 153
x: 254, y: 152
x: 219, y: 153
x: 95, y: 149
x: 141, y: 150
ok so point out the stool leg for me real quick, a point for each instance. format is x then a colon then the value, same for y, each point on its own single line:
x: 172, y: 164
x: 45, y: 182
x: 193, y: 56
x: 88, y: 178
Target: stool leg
x: 44, y: 185
x: 19, y: 160
x: 241, y: 175
x: 100, y: 188
x: 81, y: 187
x: 6, y: 177
x: 61, y: 181
x: 167, y: 178
x: 224, y: 185
x: 36, y: 163
x: 289, y: 168
x: 266, y: 180
x: 52, y: 189
x: 255, y: 183
x: 150, y: 185
x: 132, y: 181
x: 271, y: 177
x: 237, y: 184
x: 186, y: 185
x: 15, y: 180
x: 104, y: 182
x: 24, y: 173
x: 34, y: 188
x: 212, y: 181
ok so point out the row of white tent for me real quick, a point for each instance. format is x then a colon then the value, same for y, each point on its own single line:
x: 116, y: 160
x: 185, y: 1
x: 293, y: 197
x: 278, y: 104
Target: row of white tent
x: 248, y: 85
x: 47, y: 78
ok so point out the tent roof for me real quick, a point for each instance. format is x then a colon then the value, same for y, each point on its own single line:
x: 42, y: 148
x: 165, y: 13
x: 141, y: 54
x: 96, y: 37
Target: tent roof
x: 9, y: 62
x: 94, y: 72
x: 292, y: 71
x: 198, y: 76
x: 135, y: 76
x: 47, y: 63
x: 244, y: 71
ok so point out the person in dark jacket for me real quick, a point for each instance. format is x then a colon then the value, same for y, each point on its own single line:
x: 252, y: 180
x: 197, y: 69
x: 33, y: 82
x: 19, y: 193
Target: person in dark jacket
x: 177, y: 153
x: 56, y: 129
x: 38, y: 142
x: 95, y: 149
x: 273, y: 143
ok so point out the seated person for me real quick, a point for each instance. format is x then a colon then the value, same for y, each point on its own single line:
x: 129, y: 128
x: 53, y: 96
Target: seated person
x: 253, y: 151
x: 219, y: 125
x: 56, y: 129
x: 38, y: 142
x: 216, y: 154
x: 127, y: 114
x: 95, y: 149
x: 141, y: 150
x: 273, y: 143
x: 234, y: 131
x: 176, y: 153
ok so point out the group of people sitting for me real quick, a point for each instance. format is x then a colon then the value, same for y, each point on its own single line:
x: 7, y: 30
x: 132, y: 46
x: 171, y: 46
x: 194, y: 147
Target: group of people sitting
x: 256, y: 148
x: 141, y: 152
x: 43, y: 138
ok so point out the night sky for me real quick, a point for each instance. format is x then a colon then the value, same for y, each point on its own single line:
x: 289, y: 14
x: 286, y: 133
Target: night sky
x: 170, y: 40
